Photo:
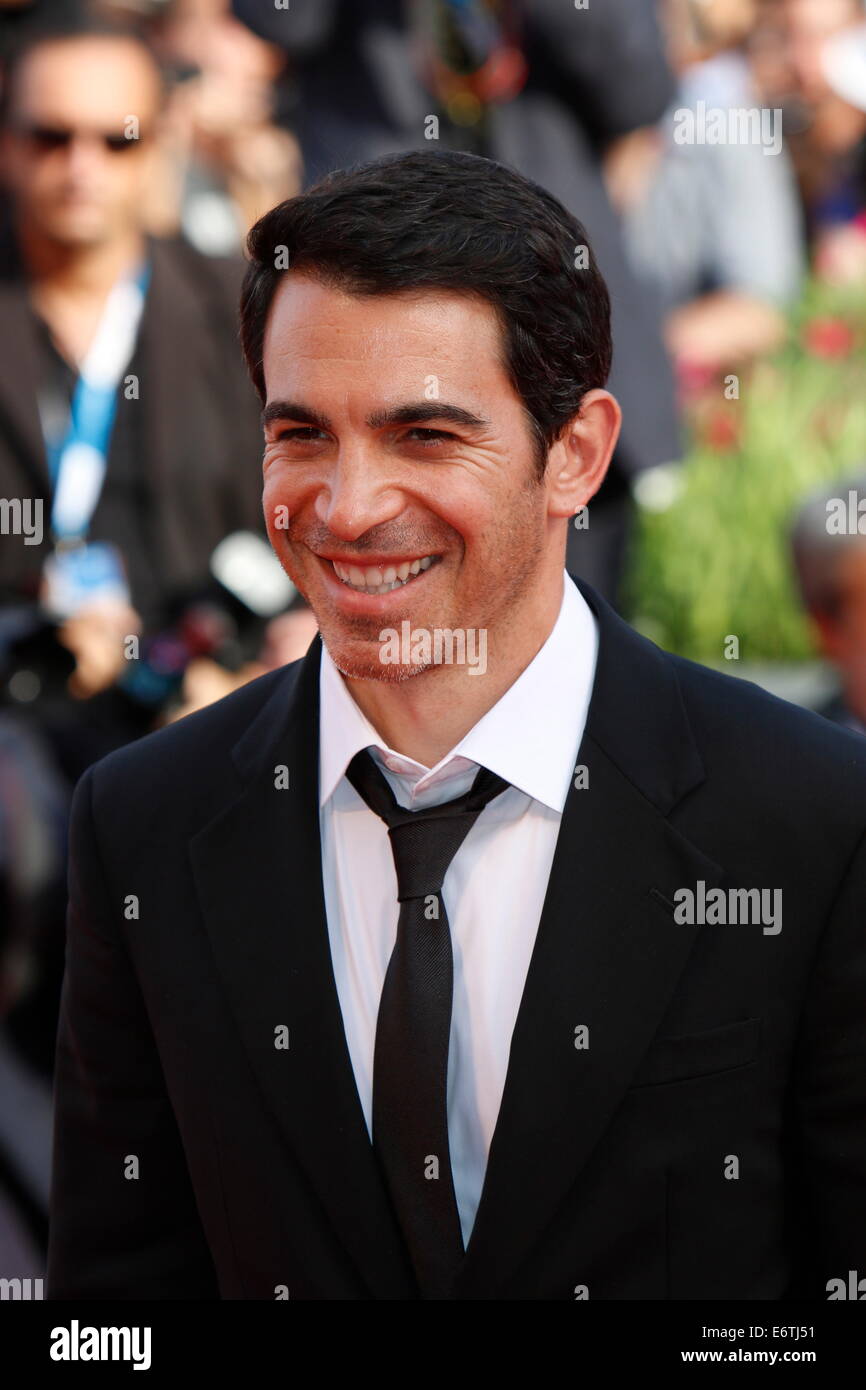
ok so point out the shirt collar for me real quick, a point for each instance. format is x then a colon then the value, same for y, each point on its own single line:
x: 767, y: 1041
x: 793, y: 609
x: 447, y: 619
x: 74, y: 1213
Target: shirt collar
x: 530, y: 736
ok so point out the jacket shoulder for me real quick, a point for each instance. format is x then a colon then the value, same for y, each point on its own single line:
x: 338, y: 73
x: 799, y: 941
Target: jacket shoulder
x: 744, y: 727
x: 214, y: 277
x: 193, y: 751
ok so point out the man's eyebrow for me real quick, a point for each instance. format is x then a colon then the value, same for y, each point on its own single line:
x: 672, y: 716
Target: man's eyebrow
x: 417, y: 412
x: 293, y: 410
x: 413, y: 413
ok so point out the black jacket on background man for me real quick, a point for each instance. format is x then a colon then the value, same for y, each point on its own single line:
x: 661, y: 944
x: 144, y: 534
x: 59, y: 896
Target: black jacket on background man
x: 184, y: 470
x: 708, y: 1143
x: 185, y: 452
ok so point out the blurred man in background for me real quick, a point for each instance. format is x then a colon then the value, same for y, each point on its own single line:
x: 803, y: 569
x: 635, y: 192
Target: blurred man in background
x: 824, y: 130
x: 226, y: 160
x: 130, y: 433
x: 830, y: 562
x: 714, y: 227
x: 123, y: 410
x: 128, y: 429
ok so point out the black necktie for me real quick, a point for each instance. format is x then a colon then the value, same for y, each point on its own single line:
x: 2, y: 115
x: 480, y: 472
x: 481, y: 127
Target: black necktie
x: 410, y: 1063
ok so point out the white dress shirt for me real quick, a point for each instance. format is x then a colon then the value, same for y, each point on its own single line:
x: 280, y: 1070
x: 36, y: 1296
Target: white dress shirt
x: 494, y: 888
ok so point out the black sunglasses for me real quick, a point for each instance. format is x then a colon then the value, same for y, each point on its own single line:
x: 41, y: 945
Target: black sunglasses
x: 47, y: 139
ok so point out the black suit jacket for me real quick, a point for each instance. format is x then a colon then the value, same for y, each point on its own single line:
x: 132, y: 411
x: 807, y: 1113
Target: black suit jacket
x: 196, y: 414
x: 197, y: 928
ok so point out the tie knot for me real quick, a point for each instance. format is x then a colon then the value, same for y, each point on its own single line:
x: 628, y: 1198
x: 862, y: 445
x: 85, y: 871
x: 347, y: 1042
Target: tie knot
x: 424, y: 842
x: 423, y: 850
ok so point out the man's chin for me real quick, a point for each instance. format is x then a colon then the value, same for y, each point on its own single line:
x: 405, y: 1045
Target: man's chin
x: 79, y: 233
x: 362, y: 659
x: 363, y: 666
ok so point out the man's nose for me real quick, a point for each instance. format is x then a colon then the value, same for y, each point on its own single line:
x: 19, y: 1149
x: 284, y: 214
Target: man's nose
x: 85, y: 153
x: 357, y: 496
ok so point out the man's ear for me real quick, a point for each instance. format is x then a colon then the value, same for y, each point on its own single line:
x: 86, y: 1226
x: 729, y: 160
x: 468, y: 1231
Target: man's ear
x: 578, y: 460
x: 829, y: 635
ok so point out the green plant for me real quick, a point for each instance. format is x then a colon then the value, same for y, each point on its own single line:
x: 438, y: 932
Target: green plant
x: 716, y: 561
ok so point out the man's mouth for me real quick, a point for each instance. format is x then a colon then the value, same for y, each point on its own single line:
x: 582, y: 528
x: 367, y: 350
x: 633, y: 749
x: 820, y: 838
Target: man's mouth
x: 381, y: 579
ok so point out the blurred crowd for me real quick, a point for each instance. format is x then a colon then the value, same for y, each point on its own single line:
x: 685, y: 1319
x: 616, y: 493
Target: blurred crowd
x: 138, y: 143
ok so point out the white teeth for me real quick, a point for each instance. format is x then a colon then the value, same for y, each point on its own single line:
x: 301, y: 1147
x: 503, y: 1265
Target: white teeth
x: 374, y: 580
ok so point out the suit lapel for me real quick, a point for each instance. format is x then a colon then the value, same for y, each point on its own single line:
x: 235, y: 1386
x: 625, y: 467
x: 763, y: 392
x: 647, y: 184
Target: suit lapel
x: 607, y: 955
x: 257, y: 868
x: 19, y: 370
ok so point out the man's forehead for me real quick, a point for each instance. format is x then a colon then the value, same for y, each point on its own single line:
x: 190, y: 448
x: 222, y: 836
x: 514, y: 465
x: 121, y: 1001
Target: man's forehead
x: 310, y: 318
x: 62, y: 73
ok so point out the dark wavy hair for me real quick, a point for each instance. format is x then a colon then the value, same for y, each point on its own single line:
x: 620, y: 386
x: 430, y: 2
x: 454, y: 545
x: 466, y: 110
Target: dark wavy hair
x: 458, y: 222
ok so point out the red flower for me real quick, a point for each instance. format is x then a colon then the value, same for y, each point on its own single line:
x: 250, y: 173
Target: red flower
x: 722, y: 430
x: 829, y: 338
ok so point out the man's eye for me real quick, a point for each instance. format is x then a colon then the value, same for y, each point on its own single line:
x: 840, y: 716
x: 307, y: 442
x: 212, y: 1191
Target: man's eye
x: 303, y: 434
x: 428, y: 436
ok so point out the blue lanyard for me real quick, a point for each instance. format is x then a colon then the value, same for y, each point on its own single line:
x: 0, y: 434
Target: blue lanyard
x: 94, y: 405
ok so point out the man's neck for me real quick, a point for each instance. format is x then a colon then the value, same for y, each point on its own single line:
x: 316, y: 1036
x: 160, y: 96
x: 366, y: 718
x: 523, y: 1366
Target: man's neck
x: 427, y: 715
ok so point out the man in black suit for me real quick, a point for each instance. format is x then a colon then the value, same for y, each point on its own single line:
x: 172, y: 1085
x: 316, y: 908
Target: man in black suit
x: 384, y: 981
x: 180, y: 453
x: 78, y: 137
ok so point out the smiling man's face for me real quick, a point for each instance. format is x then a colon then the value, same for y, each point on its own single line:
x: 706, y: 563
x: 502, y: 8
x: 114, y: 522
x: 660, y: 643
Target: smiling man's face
x: 393, y: 439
